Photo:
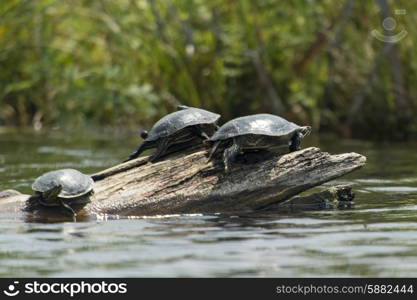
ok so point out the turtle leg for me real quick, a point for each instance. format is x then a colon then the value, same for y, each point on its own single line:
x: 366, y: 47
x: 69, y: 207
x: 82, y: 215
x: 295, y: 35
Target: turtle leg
x: 295, y: 142
x: 230, y: 154
x: 198, y: 131
x: 68, y: 208
x: 161, y: 147
x: 33, y: 201
x: 144, y: 146
x: 213, y: 150
x: 44, y: 199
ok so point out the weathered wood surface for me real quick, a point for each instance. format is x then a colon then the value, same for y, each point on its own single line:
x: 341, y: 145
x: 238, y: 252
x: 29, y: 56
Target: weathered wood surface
x: 188, y: 183
x: 191, y: 184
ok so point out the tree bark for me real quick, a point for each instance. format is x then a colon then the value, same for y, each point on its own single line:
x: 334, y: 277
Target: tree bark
x: 190, y: 184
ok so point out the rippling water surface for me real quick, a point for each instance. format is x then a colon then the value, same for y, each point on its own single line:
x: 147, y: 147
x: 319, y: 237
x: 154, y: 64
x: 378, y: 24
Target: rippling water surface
x: 378, y: 237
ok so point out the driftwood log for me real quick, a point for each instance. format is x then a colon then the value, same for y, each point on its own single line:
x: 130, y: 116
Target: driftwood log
x: 188, y: 183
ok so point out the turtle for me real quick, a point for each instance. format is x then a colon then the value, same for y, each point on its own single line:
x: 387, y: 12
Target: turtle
x: 176, y: 128
x: 256, y: 132
x: 62, y: 188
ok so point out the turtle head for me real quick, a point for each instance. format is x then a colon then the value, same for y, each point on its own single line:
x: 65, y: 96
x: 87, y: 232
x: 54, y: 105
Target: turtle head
x: 305, y: 130
x: 51, y: 195
x: 144, y: 134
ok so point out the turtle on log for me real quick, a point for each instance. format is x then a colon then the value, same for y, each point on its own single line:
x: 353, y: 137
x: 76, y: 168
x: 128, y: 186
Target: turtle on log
x: 176, y: 128
x: 64, y: 188
x: 256, y: 132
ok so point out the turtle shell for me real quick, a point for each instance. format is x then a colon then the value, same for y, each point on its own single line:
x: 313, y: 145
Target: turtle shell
x: 74, y: 183
x: 178, y: 120
x: 259, y: 124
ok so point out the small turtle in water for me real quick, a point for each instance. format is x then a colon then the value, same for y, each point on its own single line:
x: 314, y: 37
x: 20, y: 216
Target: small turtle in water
x: 256, y: 132
x: 176, y: 128
x: 61, y: 188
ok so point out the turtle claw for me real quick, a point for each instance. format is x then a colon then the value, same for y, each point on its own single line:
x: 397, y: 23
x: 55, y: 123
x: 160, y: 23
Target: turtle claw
x: 69, y: 209
x: 138, y: 151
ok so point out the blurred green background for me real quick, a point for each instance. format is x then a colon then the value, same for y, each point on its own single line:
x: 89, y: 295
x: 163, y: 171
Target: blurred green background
x: 126, y: 63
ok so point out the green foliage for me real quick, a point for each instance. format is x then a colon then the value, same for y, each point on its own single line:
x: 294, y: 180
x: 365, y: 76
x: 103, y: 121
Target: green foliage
x: 128, y: 62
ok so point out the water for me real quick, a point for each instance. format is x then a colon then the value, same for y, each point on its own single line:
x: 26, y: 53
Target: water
x: 376, y: 238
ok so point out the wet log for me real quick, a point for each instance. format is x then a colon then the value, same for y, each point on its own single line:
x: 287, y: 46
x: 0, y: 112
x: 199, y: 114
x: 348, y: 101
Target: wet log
x: 188, y: 183
x: 191, y: 184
